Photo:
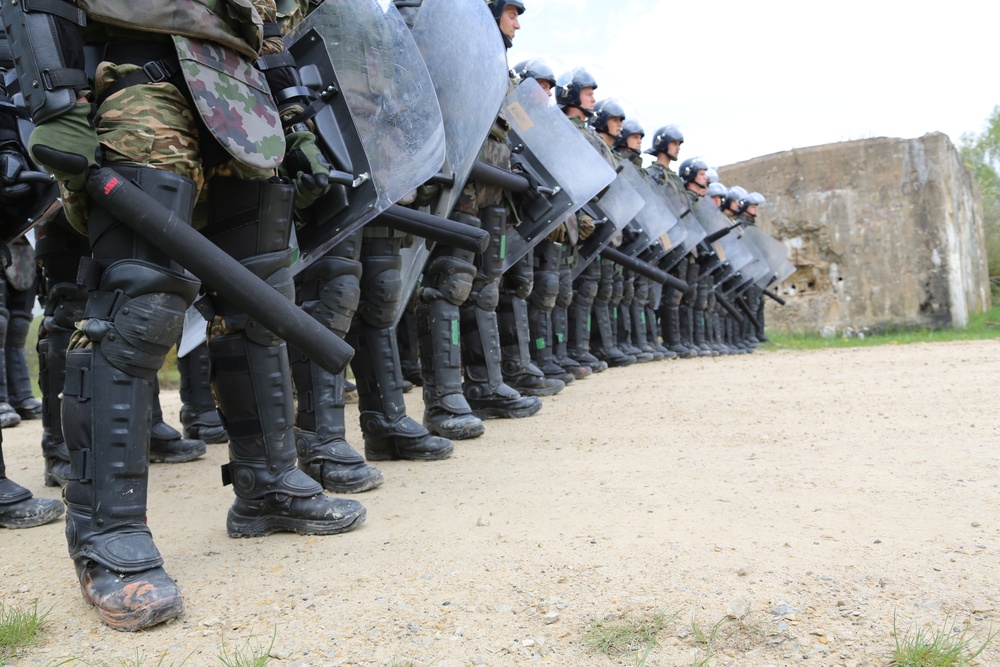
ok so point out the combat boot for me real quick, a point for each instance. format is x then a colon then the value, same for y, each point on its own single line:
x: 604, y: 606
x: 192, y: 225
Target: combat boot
x: 320, y: 434
x: 53, y: 341
x: 560, y: 353
x: 603, y: 340
x: 199, y: 416
x: 18, y: 509
x: 519, y: 372
x: 165, y: 442
x: 672, y: 332
x: 541, y: 350
x: 446, y: 411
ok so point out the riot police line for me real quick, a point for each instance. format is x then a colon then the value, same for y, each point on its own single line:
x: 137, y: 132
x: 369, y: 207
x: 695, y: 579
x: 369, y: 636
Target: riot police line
x: 390, y: 178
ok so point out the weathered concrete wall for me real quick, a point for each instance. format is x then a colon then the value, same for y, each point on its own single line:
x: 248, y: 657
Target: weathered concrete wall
x: 883, y: 233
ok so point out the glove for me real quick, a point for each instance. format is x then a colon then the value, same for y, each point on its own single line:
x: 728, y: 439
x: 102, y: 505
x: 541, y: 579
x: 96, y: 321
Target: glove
x: 586, y: 226
x: 12, y: 163
x: 305, y: 164
x: 67, y: 146
x: 558, y: 235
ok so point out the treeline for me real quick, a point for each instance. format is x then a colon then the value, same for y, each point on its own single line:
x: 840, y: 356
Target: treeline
x: 981, y: 153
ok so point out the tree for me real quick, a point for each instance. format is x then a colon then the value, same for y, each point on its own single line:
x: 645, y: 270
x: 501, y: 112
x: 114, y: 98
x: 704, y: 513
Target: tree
x: 981, y: 153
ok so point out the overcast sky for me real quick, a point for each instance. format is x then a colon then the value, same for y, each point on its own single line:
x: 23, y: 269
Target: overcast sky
x: 745, y: 79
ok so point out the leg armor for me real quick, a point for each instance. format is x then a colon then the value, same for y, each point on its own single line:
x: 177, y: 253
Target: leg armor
x: 519, y: 371
x: 487, y: 393
x: 389, y: 433
x: 541, y: 301
x: 58, y: 249
x: 602, y: 336
x: 8, y: 415
x: 132, y: 318
x: 329, y: 290
x: 408, y: 342
x: 199, y: 414
x: 447, y: 283
x: 166, y: 445
x: 560, y: 319
x: 251, y: 221
x: 584, y: 292
x: 19, y: 303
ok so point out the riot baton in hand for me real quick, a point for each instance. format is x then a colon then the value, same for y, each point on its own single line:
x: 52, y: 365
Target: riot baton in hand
x: 434, y: 228
x: 750, y: 315
x: 233, y: 281
x: 775, y: 297
x: 644, y: 269
x: 501, y: 178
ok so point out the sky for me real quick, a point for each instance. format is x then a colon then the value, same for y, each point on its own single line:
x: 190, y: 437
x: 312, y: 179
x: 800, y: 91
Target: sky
x: 745, y: 79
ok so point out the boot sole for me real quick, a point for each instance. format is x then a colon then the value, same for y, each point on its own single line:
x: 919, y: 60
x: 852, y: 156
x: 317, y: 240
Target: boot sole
x: 527, y: 391
x: 261, y: 526
x: 501, y: 413
x: 39, y: 519
x: 199, y: 434
x: 180, y: 457
x: 439, y: 455
x: 357, y: 487
x: 139, y: 619
x: 467, y: 433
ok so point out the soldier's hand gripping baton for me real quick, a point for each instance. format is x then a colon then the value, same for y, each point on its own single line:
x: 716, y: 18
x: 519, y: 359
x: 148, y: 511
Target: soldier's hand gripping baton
x: 234, y: 282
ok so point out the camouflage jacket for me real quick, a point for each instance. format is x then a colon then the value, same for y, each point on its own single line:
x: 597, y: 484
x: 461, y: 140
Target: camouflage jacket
x: 627, y: 154
x: 216, y: 42
x: 745, y: 220
x: 666, y: 178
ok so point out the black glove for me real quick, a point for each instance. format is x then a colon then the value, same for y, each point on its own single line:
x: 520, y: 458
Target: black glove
x: 12, y: 163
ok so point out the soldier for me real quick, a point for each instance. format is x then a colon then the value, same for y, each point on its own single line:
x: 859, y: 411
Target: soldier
x: 21, y: 286
x: 716, y: 192
x: 628, y: 146
x: 153, y: 92
x: 746, y: 215
x: 607, y: 122
x: 694, y: 173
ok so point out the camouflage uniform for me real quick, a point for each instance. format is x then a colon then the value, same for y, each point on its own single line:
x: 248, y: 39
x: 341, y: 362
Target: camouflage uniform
x: 206, y: 133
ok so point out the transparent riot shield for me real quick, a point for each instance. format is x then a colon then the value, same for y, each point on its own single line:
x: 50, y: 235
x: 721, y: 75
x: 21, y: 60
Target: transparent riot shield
x: 376, y: 116
x: 467, y: 61
x: 548, y: 145
x: 652, y: 226
x: 730, y: 248
x: 612, y: 211
x: 773, y: 253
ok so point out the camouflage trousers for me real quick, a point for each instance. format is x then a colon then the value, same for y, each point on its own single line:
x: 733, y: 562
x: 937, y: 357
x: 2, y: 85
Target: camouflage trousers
x: 151, y: 125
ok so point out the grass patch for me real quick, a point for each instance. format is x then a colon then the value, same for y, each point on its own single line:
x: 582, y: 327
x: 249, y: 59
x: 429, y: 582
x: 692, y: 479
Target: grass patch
x: 943, y: 647
x: 18, y: 628
x: 138, y: 660
x: 632, y: 633
x: 250, y: 653
x: 982, y: 326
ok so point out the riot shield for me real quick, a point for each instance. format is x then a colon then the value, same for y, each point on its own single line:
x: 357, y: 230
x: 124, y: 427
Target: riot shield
x: 612, y: 211
x: 773, y: 252
x: 376, y: 116
x: 652, y: 226
x: 464, y: 53
x: 24, y: 214
x: 730, y: 248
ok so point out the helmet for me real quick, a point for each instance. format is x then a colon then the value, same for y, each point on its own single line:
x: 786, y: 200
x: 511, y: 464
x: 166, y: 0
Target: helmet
x: 690, y: 167
x: 497, y: 7
x: 735, y: 193
x: 604, y: 110
x: 750, y: 199
x: 569, y: 86
x: 712, y: 174
x: 717, y: 189
x: 664, y: 136
x: 535, y: 69
x: 629, y: 127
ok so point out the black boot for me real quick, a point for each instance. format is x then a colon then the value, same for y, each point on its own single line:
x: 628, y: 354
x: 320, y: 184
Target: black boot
x: 199, y: 416
x: 488, y: 395
x: 165, y: 442
x: 389, y: 433
x: 446, y: 411
x: 605, y: 346
x: 18, y: 509
x: 320, y: 434
x: 519, y: 371
x: 18, y: 375
x: 53, y: 340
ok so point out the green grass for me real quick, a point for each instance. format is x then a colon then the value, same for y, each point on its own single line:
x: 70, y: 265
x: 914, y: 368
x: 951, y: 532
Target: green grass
x: 626, y: 634
x: 982, y: 326
x: 942, y: 647
x: 18, y: 628
x: 250, y: 653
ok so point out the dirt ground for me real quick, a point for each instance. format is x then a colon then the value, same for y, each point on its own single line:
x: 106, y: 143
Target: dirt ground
x: 813, y: 498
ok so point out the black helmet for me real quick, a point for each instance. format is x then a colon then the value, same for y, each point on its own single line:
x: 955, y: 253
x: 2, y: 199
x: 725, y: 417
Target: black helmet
x: 664, y: 136
x: 535, y: 69
x: 497, y: 7
x: 604, y: 110
x: 569, y: 86
x: 751, y: 198
x: 690, y: 167
x: 629, y: 127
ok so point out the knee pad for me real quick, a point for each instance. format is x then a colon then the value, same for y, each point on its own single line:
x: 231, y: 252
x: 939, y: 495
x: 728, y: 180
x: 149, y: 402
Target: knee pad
x: 329, y: 289
x: 545, y: 291
x: 487, y: 296
x: 587, y: 289
x: 564, y: 297
x: 64, y: 307
x: 381, y: 290
x: 494, y: 221
x: 136, y: 314
x: 448, y: 278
